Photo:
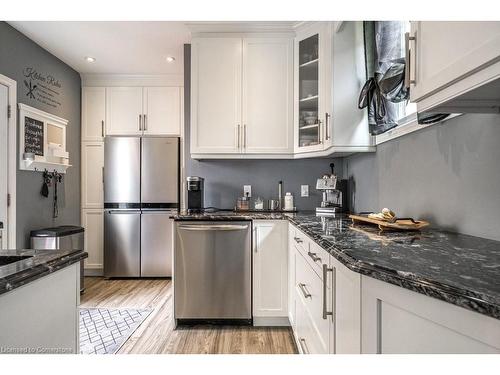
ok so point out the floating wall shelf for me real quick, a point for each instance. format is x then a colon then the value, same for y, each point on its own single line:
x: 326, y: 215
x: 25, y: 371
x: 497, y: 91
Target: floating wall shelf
x: 42, y: 141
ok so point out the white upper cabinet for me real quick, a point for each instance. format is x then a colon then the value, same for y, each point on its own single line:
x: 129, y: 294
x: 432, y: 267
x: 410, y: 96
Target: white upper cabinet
x: 290, y: 95
x: 348, y: 125
x: 312, y: 87
x: 124, y: 111
x: 450, y: 59
x: 330, y: 72
x: 216, y: 95
x: 267, y: 95
x: 241, y: 97
x: 143, y: 110
x: 93, y: 113
x: 162, y: 110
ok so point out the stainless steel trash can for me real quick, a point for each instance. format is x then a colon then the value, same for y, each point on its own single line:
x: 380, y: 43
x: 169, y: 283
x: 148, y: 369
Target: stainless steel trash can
x: 63, y: 237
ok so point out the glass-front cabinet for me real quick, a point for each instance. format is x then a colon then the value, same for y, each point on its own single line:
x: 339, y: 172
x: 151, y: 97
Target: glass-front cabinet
x: 312, y: 86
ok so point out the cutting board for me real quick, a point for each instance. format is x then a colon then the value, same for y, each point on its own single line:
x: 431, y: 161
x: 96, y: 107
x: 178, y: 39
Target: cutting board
x: 399, y: 224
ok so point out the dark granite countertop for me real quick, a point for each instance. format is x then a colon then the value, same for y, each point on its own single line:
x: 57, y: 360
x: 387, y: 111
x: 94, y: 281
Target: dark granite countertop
x: 39, y: 264
x: 456, y: 268
x: 232, y: 215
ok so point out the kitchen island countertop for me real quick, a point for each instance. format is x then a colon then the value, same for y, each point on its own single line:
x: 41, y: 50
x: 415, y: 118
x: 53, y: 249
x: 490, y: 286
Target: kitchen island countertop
x: 457, y: 268
x: 37, y: 264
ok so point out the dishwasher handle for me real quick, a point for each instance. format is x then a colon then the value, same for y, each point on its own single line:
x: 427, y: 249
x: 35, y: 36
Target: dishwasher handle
x: 225, y: 227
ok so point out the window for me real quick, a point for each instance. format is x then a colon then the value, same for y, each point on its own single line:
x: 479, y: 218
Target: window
x: 407, y: 112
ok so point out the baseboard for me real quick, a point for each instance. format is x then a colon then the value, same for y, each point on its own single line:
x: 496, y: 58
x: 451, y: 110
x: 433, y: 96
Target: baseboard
x: 93, y: 272
x: 271, y: 321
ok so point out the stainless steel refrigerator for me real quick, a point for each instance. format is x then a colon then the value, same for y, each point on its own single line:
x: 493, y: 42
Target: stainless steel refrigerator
x: 141, y: 189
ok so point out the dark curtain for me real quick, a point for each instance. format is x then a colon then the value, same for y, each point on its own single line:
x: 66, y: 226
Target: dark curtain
x: 385, y: 89
x: 383, y: 50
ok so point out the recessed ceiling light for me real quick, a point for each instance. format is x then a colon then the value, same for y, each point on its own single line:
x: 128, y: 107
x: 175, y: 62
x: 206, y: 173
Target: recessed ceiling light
x: 89, y: 59
x: 170, y: 59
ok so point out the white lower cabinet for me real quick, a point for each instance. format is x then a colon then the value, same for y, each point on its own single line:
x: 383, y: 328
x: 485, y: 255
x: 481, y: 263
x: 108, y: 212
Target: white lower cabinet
x: 396, y: 320
x: 372, y: 316
x: 312, y: 295
x: 347, y: 307
x: 92, y: 174
x: 270, y: 272
x: 42, y: 316
x: 291, y: 276
x: 93, y: 222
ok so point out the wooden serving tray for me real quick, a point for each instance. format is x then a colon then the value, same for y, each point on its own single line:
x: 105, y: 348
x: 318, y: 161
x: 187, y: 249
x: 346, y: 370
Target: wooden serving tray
x: 399, y: 224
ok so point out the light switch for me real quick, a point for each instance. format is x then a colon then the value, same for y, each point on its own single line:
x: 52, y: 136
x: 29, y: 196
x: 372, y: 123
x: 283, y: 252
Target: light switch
x: 304, y: 190
x: 247, y: 189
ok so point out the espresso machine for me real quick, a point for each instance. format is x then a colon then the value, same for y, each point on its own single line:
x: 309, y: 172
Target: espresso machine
x: 195, y: 194
x: 334, y: 192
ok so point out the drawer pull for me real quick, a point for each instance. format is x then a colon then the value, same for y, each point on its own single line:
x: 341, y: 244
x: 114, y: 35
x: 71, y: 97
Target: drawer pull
x: 305, y: 292
x: 314, y: 256
x: 325, y: 278
x: 297, y: 239
x: 303, y: 345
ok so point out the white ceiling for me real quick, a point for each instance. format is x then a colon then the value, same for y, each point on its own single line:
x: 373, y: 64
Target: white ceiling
x: 118, y: 47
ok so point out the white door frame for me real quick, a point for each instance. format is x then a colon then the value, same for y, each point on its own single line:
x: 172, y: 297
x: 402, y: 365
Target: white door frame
x: 11, y: 164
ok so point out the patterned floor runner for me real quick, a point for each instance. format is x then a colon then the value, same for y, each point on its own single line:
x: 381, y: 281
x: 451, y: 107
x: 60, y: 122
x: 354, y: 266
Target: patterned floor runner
x: 103, y: 331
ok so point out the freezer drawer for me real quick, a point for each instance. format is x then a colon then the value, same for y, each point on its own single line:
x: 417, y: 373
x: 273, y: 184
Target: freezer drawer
x: 156, y: 244
x: 122, y: 252
x: 212, y: 270
x: 122, y: 170
x: 160, y: 170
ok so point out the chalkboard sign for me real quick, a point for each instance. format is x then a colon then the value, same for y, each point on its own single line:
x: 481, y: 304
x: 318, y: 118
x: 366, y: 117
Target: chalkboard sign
x: 33, y: 136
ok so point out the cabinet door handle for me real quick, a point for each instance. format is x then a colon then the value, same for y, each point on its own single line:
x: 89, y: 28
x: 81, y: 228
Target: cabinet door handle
x: 140, y: 122
x: 244, y: 135
x: 102, y: 128
x: 145, y: 117
x: 304, y: 291
x: 314, y: 256
x: 297, y: 239
x: 238, y: 136
x: 103, y: 175
x: 409, y: 80
x: 327, y: 126
x: 303, y: 345
x: 320, y: 140
x: 325, y: 278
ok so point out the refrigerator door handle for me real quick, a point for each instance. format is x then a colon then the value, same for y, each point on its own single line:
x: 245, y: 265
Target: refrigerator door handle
x: 140, y: 122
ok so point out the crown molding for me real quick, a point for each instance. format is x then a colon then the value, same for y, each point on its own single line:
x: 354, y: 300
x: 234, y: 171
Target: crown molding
x: 116, y: 80
x: 242, y: 27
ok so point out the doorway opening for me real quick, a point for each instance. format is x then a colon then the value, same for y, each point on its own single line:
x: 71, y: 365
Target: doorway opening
x: 8, y: 121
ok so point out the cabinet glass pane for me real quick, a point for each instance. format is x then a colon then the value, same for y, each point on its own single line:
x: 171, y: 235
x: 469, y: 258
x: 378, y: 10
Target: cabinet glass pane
x: 309, y: 133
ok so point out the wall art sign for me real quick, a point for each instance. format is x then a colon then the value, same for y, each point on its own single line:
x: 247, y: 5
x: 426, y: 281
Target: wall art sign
x: 33, y: 136
x: 44, y: 88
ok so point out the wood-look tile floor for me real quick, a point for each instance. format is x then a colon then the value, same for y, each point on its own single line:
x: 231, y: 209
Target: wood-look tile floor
x: 157, y: 334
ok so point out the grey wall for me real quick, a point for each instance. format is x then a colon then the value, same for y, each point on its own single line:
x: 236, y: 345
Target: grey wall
x: 448, y: 174
x: 224, y: 179
x: 33, y: 211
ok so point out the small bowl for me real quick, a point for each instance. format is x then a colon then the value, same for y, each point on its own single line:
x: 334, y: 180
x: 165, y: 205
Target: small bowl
x: 311, y: 120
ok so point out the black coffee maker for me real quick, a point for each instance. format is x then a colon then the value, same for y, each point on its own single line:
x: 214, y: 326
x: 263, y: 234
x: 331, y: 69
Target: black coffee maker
x: 195, y: 194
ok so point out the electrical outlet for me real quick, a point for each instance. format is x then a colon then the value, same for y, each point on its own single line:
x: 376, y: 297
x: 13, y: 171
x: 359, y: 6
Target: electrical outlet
x: 247, y: 189
x: 304, y: 190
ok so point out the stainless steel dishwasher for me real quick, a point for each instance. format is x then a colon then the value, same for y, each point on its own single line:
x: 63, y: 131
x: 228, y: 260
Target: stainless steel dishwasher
x: 213, y: 272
